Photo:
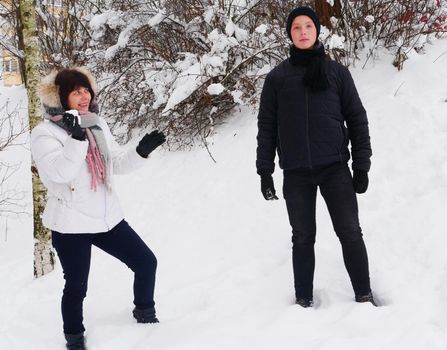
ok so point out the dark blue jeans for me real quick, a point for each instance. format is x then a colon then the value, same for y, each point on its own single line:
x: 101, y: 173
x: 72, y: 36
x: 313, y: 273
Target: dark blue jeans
x: 74, y: 251
x: 300, y: 192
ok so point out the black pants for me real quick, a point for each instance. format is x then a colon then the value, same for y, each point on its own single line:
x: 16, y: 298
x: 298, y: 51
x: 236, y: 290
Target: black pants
x: 74, y: 251
x: 300, y: 192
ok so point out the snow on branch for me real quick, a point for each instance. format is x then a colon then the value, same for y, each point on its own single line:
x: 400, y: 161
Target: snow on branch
x: 184, y: 64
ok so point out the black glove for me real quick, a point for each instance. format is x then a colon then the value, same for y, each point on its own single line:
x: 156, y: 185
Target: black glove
x: 71, y: 123
x: 360, y: 181
x: 268, y: 187
x: 149, y: 142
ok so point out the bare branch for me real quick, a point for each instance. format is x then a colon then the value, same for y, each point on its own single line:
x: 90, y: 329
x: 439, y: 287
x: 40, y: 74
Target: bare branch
x: 12, y: 127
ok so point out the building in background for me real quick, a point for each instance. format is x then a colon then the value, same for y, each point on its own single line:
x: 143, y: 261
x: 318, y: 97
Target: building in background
x: 10, y: 71
x: 10, y: 64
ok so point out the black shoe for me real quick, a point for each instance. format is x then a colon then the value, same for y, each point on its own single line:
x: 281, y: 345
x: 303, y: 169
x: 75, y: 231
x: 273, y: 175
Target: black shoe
x: 304, y: 302
x: 145, y: 315
x: 368, y: 298
x: 75, y: 341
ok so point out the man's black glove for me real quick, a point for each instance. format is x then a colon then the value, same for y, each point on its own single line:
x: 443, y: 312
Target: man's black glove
x: 149, y: 142
x: 360, y: 181
x: 71, y: 123
x: 268, y: 187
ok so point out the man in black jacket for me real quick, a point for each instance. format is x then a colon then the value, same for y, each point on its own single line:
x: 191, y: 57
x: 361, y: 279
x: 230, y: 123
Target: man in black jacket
x: 309, y: 112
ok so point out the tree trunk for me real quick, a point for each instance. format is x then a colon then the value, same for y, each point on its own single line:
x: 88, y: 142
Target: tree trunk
x: 21, y: 45
x: 43, y: 253
x: 325, y: 11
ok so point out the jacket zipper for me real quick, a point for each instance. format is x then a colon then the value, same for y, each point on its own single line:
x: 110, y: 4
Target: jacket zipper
x: 307, y: 128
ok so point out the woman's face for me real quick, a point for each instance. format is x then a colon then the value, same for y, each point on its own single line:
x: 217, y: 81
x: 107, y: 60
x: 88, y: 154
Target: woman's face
x: 303, y: 32
x: 79, y: 99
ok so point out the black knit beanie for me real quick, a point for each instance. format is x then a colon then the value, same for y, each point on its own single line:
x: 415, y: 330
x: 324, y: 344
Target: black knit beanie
x: 302, y: 11
x: 68, y: 80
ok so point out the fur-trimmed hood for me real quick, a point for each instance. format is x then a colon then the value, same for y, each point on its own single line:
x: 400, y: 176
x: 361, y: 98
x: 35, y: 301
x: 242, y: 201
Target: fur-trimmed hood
x: 49, y: 91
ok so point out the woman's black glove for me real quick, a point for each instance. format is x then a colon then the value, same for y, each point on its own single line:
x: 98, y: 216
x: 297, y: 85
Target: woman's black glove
x: 360, y: 181
x: 268, y: 187
x: 71, y: 123
x: 149, y: 142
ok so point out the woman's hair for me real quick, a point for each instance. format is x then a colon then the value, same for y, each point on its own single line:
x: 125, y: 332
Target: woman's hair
x: 69, y: 80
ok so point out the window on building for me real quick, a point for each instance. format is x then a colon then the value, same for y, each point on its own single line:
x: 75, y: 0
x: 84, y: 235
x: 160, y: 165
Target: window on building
x: 10, y: 66
x: 55, y: 3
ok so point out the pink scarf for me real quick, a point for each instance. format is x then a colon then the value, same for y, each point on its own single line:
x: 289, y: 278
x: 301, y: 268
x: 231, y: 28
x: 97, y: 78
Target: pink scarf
x: 94, y: 161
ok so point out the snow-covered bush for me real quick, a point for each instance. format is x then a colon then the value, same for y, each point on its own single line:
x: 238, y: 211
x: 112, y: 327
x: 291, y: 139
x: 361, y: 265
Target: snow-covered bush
x: 182, y: 66
x: 398, y: 25
x: 63, y: 31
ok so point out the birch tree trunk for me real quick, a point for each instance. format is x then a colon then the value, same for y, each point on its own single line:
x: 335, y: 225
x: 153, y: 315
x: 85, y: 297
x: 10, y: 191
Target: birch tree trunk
x: 43, y: 253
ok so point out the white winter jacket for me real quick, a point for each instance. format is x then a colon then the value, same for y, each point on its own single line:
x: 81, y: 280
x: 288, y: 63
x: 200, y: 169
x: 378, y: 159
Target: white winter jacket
x: 72, y: 206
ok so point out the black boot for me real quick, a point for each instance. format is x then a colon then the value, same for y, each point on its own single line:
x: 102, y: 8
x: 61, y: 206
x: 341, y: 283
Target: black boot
x: 304, y: 302
x: 75, y: 341
x: 145, y: 315
x: 368, y: 298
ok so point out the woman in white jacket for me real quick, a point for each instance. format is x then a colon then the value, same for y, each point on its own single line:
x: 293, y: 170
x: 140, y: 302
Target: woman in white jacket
x: 77, y: 156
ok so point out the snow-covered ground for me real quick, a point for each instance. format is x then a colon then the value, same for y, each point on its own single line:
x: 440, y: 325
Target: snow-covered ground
x: 225, y: 273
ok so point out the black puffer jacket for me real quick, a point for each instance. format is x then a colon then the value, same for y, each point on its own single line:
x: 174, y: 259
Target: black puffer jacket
x: 310, y: 128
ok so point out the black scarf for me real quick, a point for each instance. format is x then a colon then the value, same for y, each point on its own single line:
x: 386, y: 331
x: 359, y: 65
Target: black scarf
x: 315, y: 61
